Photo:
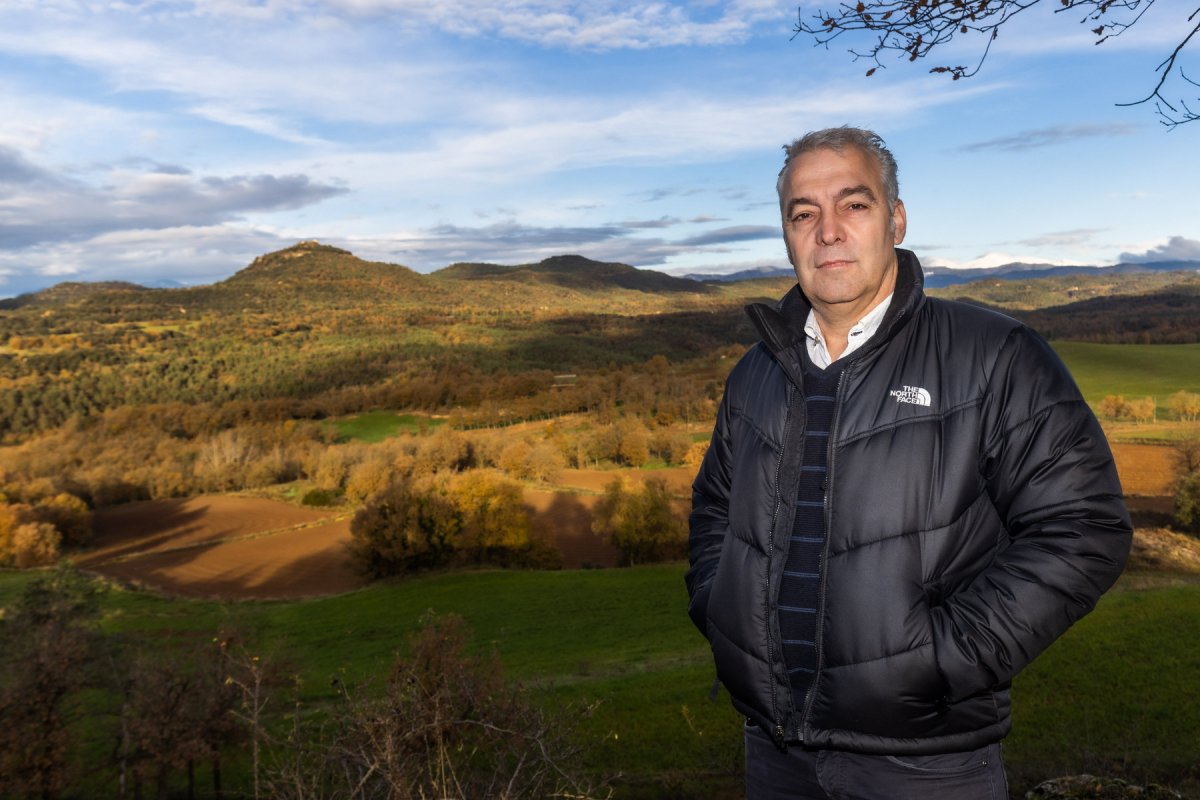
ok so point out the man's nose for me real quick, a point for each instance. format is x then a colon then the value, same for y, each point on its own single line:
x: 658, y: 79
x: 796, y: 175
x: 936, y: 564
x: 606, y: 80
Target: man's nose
x: 829, y: 231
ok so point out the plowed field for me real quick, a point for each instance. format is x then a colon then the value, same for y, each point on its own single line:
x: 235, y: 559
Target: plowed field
x: 239, y: 547
x: 1145, y: 469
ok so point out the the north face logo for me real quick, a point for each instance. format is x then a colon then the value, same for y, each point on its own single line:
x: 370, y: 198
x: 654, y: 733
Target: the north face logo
x: 911, y: 394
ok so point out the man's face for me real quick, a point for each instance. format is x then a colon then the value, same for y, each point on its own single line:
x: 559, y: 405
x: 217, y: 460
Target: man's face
x: 839, y: 234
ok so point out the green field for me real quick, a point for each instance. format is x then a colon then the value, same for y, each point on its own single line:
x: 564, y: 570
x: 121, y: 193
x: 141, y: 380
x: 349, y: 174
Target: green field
x: 1133, y: 370
x: 1118, y: 695
x: 375, y: 426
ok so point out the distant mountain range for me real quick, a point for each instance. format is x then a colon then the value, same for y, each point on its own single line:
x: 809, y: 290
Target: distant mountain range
x: 938, y: 277
x: 311, y: 269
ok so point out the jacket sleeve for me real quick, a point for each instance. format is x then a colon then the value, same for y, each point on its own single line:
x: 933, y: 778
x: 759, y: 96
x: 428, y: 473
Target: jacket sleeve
x: 708, y: 523
x: 1050, y: 475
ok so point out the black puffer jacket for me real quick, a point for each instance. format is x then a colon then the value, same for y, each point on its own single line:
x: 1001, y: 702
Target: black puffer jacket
x: 973, y: 514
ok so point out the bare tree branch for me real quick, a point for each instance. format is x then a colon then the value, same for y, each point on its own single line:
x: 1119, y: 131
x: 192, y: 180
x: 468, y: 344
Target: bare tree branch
x: 915, y: 28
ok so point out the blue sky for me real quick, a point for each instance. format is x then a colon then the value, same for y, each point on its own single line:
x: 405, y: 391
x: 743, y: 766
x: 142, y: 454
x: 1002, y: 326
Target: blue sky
x: 175, y: 140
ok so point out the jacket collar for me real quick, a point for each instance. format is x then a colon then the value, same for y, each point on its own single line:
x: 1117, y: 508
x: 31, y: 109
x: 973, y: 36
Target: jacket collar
x: 782, y: 326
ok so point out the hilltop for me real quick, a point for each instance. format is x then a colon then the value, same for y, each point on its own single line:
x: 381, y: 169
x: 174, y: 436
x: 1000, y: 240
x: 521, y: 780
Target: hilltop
x: 69, y: 292
x: 576, y: 272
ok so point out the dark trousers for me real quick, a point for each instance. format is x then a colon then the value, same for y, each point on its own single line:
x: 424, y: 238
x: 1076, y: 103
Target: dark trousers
x: 810, y: 774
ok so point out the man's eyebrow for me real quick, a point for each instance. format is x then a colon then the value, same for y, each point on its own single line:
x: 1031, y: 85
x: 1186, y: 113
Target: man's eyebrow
x: 849, y: 191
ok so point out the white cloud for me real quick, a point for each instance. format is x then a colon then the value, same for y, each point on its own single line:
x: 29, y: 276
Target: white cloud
x: 577, y: 24
x: 660, y: 130
x: 39, y: 205
x: 187, y: 254
x: 1176, y: 248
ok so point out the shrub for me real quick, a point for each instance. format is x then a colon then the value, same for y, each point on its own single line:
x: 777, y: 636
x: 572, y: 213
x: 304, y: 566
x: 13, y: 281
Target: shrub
x: 69, y: 515
x: 333, y: 467
x: 448, y: 725
x: 35, y: 544
x: 319, y: 498
x: 47, y: 642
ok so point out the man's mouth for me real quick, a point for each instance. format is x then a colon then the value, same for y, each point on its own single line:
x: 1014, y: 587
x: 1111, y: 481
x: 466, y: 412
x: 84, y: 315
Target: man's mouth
x: 835, y: 262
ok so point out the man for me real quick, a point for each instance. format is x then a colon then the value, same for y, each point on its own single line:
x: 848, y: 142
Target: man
x: 905, y: 500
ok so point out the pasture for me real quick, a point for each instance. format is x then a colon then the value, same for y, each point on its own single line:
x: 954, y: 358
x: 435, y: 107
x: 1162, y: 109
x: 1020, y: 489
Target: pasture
x: 1116, y: 696
x: 1133, y: 370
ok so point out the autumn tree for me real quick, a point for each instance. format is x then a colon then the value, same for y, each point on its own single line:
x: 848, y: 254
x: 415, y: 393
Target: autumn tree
x: 494, y: 519
x: 406, y: 527
x: 915, y: 29
x: 1114, y: 406
x: 1143, y: 409
x: 1184, y: 405
x: 642, y: 523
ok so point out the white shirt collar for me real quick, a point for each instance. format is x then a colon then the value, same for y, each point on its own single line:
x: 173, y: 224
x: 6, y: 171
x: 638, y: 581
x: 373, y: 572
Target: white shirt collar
x: 858, y: 335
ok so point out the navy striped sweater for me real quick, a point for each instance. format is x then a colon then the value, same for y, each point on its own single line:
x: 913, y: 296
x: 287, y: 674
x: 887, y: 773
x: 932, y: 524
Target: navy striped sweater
x: 802, y: 572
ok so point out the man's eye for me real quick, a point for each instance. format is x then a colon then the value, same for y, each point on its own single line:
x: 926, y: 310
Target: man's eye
x: 800, y: 216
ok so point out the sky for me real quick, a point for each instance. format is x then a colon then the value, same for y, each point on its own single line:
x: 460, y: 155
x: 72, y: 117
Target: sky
x: 173, y: 141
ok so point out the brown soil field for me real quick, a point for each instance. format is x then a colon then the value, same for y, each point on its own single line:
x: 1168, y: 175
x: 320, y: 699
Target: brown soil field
x: 234, y: 547
x: 1145, y: 469
x: 564, y: 519
x: 257, y: 548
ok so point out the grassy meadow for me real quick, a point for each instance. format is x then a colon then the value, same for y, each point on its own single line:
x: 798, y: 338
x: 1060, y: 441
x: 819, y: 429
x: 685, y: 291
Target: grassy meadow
x: 1116, y: 696
x: 1133, y: 370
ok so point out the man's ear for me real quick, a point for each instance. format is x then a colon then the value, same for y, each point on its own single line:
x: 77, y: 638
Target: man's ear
x: 899, y: 222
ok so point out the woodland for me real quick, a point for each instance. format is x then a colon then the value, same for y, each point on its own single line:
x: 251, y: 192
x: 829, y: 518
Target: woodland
x: 111, y: 393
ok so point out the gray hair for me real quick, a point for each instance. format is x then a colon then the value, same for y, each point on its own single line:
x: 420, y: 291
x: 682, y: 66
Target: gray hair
x: 837, y: 139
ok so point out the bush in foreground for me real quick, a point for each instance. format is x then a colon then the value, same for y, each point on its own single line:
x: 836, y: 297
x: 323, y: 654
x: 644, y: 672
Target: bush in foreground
x: 447, y: 725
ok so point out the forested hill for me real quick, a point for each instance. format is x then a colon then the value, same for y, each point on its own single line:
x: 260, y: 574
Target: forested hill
x: 1132, y: 308
x: 312, y: 331
x: 576, y: 272
x: 312, y: 275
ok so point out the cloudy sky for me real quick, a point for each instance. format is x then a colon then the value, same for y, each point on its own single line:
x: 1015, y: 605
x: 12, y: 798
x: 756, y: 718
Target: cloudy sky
x: 175, y: 140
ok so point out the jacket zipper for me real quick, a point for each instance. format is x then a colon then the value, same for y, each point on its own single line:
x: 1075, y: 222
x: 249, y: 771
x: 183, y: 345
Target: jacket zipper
x: 780, y: 740
x: 820, y: 632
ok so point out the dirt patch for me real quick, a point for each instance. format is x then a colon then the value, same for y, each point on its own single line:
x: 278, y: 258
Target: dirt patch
x: 290, y: 564
x: 235, y: 547
x: 564, y: 520
x: 1145, y: 469
x: 1158, y: 549
x: 166, y: 524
